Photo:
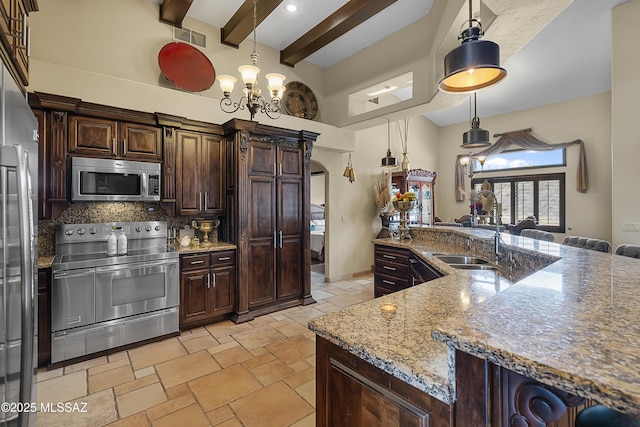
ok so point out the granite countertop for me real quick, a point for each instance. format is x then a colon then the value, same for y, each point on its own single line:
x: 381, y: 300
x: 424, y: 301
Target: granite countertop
x: 211, y: 247
x: 45, y: 261
x: 572, y: 324
x: 402, y: 346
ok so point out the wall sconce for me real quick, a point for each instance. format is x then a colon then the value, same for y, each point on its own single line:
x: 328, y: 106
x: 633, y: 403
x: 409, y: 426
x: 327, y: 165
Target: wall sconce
x: 474, y: 64
x: 468, y: 164
x: 348, y: 171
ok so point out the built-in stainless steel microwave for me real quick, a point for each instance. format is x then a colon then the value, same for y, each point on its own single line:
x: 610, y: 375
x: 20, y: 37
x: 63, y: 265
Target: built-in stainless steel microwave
x: 114, y: 180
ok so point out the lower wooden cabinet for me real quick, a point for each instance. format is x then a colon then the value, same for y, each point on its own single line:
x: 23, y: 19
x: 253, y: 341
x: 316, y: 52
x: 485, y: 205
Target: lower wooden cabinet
x: 44, y: 317
x: 207, y: 288
x: 351, y: 392
x: 399, y: 268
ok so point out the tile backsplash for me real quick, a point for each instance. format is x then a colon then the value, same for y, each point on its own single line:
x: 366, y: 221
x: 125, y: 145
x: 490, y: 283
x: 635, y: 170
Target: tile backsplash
x: 99, y: 212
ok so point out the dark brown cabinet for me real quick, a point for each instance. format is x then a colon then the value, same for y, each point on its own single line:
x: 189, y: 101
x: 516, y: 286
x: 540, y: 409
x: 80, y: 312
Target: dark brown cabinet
x: 422, y: 183
x: 199, y: 178
x: 267, y: 194
x: 398, y: 268
x: 44, y: 317
x: 15, y: 35
x: 352, y: 392
x: 207, y: 288
x: 98, y: 137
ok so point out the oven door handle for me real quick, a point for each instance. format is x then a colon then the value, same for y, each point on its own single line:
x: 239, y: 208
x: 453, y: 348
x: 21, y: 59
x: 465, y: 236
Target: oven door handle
x: 140, y: 265
x: 73, y: 273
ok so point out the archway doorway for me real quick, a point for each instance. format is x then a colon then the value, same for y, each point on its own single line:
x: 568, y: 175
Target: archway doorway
x: 318, y: 198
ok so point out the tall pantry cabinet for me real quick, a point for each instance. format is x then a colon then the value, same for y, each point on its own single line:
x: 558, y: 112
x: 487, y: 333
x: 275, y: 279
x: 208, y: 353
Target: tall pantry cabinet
x: 268, y: 206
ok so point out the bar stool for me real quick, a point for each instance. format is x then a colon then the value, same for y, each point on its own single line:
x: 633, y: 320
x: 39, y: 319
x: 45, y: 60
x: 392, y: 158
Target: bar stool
x: 632, y: 251
x: 587, y: 243
x: 602, y: 416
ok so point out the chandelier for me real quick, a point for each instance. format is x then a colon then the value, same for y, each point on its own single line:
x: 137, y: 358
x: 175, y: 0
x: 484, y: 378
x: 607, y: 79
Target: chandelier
x: 252, y: 98
x: 469, y: 167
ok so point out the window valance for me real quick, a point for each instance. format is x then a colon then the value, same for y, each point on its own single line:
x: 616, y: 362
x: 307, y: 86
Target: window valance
x: 526, y: 141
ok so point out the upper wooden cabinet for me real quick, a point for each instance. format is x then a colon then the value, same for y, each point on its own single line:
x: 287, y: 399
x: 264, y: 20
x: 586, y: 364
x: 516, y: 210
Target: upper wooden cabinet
x: 97, y: 137
x: 198, y: 174
x: 15, y: 36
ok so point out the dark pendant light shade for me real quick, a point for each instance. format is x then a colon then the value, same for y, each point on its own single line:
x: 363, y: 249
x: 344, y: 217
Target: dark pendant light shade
x: 474, y: 64
x: 388, y: 161
x: 475, y: 137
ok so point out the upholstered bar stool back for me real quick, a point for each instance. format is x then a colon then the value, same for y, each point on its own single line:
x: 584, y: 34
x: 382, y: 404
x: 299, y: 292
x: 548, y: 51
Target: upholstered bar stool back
x: 632, y: 251
x: 602, y: 416
x: 587, y: 243
x: 538, y: 234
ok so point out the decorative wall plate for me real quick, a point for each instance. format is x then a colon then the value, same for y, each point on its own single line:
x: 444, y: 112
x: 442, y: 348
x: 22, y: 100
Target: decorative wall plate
x: 186, y: 67
x: 299, y: 101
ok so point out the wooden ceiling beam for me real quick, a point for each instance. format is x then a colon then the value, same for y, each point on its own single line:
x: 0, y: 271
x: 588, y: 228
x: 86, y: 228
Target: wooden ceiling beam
x: 172, y: 12
x: 349, y: 16
x: 240, y: 25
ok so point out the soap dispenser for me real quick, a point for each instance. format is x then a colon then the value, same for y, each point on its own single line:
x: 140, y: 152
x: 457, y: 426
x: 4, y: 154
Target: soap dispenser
x: 122, y: 243
x: 112, y: 244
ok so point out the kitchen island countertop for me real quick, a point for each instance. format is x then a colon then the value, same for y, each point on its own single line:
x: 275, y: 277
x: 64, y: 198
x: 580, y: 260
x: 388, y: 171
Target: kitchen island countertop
x: 573, y: 324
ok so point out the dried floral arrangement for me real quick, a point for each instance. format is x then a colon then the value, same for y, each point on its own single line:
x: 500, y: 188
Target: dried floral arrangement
x: 382, y: 195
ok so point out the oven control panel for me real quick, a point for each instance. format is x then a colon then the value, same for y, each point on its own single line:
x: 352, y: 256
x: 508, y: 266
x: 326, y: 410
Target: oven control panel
x: 70, y: 233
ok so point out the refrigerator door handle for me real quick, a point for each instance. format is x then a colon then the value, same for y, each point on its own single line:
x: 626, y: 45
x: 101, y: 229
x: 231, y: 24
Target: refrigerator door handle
x: 27, y: 239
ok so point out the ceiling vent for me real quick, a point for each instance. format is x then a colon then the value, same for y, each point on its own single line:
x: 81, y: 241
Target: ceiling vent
x: 190, y: 36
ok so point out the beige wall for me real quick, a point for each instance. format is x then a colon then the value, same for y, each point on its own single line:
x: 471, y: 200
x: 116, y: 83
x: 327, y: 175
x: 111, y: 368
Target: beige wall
x: 625, y: 93
x: 107, y: 52
x: 78, y: 51
x: 588, y: 119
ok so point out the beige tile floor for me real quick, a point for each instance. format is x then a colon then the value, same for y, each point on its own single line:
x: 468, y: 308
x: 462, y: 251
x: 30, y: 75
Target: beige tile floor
x: 256, y: 374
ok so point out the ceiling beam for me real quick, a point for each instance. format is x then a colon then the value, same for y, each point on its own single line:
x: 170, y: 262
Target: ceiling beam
x: 349, y: 16
x: 172, y: 12
x: 240, y: 25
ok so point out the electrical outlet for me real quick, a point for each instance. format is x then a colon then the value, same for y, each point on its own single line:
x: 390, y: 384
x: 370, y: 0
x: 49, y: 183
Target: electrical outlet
x: 631, y: 226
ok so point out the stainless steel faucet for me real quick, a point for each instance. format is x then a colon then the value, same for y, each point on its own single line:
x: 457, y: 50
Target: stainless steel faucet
x: 496, y: 236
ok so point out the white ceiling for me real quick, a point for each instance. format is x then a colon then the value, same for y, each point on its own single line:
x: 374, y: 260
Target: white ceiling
x: 569, y: 58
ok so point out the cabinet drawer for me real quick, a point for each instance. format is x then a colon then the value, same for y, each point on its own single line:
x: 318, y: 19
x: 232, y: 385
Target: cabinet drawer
x: 390, y: 282
x: 396, y: 255
x: 194, y: 262
x: 223, y: 258
x: 392, y: 269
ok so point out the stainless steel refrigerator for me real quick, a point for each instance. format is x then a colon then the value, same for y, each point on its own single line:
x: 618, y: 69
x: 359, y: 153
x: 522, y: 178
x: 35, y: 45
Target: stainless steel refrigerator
x: 18, y: 255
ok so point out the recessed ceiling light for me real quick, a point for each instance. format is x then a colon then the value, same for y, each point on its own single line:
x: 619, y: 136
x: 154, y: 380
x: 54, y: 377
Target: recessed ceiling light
x: 291, y: 7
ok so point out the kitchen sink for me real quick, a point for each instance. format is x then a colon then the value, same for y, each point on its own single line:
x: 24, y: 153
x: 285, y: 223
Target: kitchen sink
x: 461, y: 259
x: 473, y: 266
x: 465, y: 262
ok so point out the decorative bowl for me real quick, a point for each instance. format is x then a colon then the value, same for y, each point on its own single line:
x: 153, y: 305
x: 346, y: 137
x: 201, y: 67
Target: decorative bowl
x: 404, y: 206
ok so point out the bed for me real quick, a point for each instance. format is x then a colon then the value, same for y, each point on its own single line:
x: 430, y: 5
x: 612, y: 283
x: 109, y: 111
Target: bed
x: 317, y: 232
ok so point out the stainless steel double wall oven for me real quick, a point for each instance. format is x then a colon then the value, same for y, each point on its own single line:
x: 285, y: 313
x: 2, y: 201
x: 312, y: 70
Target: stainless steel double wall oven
x: 100, y: 302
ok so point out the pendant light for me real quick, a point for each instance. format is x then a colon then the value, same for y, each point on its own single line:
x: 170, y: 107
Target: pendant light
x: 474, y: 64
x: 389, y: 162
x: 475, y: 137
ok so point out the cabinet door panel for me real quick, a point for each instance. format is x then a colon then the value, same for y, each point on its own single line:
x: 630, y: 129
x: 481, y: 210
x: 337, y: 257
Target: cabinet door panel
x: 212, y: 174
x: 290, y: 261
x: 262, y: 158
x: 290, y: 267
x: 262, y: 286
x: 224, y: 284
x: 92, y: 137
x: 290, y: 162
x: 195, y: 301
x: 140, y: 142
x: 261, y: 221
x: 189, y: 199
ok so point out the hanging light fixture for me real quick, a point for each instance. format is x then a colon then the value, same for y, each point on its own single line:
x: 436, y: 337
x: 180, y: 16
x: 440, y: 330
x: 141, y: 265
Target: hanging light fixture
x: 349, y: 172
x: 474, y: 64
x: 475, y: 137
x: 389, y: 162
x: 468, y: 164
x: 252, y: 98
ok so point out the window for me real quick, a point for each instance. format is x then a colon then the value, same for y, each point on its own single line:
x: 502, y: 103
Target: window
x: 522, y: 159
x: 521, y: 196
